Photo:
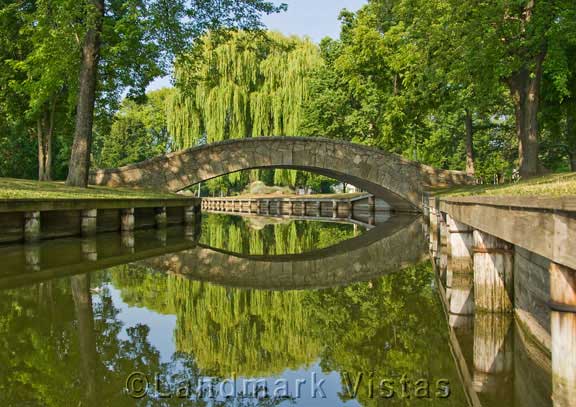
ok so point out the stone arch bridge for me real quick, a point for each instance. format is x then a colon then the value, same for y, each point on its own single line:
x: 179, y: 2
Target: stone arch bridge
x: 398, y: 181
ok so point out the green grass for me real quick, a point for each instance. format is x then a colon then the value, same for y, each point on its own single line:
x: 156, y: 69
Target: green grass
x: 549, y: 186
x: 294, y: 196
x: 19, y: 189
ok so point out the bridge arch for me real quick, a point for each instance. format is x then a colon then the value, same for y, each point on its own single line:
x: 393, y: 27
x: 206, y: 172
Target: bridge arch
x: 388, y: 176
x: 383, y: 250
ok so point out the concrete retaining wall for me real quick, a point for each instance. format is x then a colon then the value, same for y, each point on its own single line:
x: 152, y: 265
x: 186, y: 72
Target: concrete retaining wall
x: 40, y: 220
x: 541, y: 287
x: 532, y: 291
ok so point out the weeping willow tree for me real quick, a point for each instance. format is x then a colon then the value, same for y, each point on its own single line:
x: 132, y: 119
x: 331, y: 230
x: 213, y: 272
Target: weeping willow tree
x: 234, y: 234
x: 254, y: 333
x: 248, y: 85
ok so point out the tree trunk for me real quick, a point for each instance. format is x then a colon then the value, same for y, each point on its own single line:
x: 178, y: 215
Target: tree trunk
x: 45, y: 130
x: 44, y: 153
x: 571, y: 131
x: 470, y: 170
x: 80, y: 158
x: 525, y: 90
x: 86, y: 336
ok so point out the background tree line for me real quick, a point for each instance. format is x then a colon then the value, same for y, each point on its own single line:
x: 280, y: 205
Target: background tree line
x: 65, y: 65
x: 484, y: 86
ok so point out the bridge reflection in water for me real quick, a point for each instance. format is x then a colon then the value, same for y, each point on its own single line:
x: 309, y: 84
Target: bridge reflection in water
x: 349, y: 253
x: 350, y: 306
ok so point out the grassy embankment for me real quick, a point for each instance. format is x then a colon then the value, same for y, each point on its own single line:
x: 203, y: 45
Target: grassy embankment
x: 258, y: 189
x: 548, y: 186
x: 20, y: 189
x: 295, y: 196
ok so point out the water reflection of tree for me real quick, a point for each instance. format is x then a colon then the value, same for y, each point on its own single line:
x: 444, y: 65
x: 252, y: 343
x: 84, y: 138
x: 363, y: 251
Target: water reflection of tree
x: 392, y: 326
x: 250, y: 332
x: 37, y: 339
x: 57, y: 348
x: 389, y: 328
x: 234, y: 234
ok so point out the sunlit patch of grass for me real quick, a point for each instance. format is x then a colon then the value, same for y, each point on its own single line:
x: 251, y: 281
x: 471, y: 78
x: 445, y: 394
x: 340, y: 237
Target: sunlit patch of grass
x: 295, y: 196
x: 17, y: 189
x: 553, y: 186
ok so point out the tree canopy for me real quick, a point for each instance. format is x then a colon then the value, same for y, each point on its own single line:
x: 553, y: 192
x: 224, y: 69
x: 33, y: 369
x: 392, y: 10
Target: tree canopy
x: 242, y: 84
x: 138, y: 132
x: 449, y: 83
x: 87, y: 54
x: 248, y: 85
x: 485, y: 86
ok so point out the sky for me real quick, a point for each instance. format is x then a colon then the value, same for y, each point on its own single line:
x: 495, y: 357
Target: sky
x: 314, y: 18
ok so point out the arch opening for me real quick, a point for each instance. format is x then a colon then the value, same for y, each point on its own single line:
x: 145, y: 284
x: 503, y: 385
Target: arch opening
x: 393, y: 200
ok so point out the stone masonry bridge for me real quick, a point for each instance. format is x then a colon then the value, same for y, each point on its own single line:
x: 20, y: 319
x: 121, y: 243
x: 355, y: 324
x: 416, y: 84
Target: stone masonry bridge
x: 388, y: 176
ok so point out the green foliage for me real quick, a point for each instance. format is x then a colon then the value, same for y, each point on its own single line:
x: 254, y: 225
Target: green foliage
x: 241, y: 84
x: 292, y: 179
x: 37, y: 78
x: 404, y: 75
x: 253, y: 333
x: 238, y: 235
x: 247, y: 85
x: 141, y: 39
x: 138, y: 132
x: 389, y: 327
x: 17, y: 153
x: 40, y: 59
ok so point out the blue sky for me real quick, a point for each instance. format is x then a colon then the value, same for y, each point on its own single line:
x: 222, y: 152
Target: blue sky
x: 314, y: 18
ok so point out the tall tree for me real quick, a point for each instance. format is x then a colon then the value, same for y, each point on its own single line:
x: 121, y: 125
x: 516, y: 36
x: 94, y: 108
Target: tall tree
x: 80, y: 159
x: 402, y: 70
x: 39, y: 71
x: 250, y: 85
x: 247, y: 85
x: 559, y: 93
x: 131, y: 42
x: 509, y: 41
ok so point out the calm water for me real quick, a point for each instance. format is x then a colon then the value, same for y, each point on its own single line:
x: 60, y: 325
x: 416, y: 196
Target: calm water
x: 267, y: 311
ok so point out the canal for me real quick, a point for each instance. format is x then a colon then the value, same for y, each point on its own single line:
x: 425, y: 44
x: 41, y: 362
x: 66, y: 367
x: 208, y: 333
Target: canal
x: 247, y: 310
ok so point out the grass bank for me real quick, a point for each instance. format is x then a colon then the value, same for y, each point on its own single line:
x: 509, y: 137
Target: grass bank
x: 21, y: 189
x: 295, y: 196
x: 549, y: 186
